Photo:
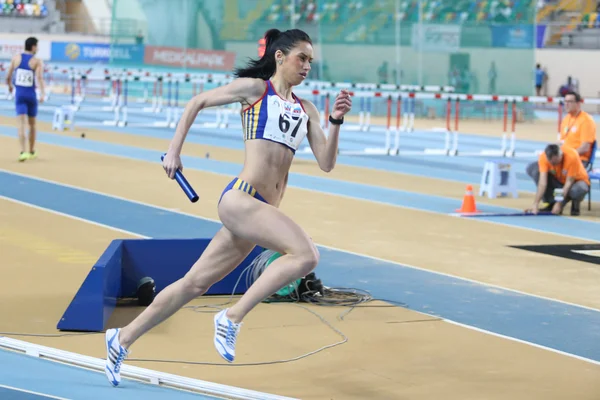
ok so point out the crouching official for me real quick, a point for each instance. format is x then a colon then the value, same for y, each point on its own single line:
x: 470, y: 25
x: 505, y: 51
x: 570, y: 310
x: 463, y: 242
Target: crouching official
x: 559, y: 167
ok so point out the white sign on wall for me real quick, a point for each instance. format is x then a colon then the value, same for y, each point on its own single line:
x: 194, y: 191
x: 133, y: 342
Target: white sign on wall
x: 10, y: 47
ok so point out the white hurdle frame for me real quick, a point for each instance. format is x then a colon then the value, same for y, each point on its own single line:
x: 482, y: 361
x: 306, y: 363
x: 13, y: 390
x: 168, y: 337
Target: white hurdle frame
x: 450, y: 136
x: 387, y: 149
x: 508, y: 144
x: 405, y: 120
x: 121, y: 108
x: 169, y: 122
x: 78, y: 104
x: 221, y: 113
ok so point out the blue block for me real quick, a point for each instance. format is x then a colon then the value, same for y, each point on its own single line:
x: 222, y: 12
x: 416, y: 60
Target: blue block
x: 117, y: 272
x: 97, y: 296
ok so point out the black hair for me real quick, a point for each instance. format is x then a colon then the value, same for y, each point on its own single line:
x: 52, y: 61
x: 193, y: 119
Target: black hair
x: 552, y: 150
x: 573, y: 93
x: 265, y: 67
x: 30, y: 42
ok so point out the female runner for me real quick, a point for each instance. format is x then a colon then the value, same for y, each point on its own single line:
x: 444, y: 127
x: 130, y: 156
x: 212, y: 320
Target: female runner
x: 274, y: 123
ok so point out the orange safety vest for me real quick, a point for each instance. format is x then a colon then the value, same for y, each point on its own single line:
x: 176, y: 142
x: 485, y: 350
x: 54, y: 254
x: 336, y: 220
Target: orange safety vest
x: 261, y: 47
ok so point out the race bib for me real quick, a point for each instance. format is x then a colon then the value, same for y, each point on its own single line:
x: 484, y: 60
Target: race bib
x: 24, y: 78
x: 287, y: 122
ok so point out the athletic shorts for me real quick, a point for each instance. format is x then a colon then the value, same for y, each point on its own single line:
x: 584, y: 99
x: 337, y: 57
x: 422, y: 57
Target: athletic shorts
x: 26, y: 105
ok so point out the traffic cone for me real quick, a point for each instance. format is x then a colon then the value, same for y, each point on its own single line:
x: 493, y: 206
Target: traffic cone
x: 468, y: 204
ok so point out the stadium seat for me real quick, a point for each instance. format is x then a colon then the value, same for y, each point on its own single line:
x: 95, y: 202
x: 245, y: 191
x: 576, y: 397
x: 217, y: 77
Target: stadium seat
x: 23, y: 8
x: 377, y: 18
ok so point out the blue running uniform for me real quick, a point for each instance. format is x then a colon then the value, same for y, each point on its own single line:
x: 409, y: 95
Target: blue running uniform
x: 24, y: 80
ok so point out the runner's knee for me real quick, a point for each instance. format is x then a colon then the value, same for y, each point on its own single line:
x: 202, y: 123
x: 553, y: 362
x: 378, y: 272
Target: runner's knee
x: 194, y: 286
x: 313, y: 258
x: 307, y: 257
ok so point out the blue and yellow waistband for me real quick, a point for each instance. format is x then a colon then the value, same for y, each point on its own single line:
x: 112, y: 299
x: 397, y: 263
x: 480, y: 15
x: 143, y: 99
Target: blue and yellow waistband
x: 240, y: 184
x: 244, y: 186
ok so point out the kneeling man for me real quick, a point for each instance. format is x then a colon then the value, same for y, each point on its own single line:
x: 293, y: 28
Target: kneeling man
x: 560, y: 167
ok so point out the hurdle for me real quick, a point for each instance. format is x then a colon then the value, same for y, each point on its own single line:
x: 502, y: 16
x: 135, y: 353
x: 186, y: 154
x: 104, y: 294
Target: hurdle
x: 222, y: 113
x: 171, y: 103
x: 321, y: 92
x: 157, y: 96
x: 387, y: 149
x: 146, y: 98
x: 169, y: 122
x: 120, y: 98
x: 364, y: 112
x: 510, y: 152
x: 78, y: 106
x: 80, y: 86
x: 404, y: 123
x: 364, y: 116
x: 507, y: 145
x: 157, y: 99
x: 450, y: 136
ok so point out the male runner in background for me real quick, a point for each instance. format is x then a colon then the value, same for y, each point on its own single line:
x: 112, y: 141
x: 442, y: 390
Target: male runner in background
x: 28, y: 70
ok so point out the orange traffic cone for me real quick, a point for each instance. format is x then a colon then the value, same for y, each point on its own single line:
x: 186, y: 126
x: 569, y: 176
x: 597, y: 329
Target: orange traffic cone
x: 468, y: 204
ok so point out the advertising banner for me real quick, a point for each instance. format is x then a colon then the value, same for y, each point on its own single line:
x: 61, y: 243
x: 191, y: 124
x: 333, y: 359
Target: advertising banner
x: 189, y: 58
x: 513, y: 36
x: 10, y: 47
x: 97, y: 52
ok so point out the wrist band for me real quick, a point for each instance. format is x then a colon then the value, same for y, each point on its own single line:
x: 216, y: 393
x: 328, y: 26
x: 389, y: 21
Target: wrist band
x: 336, y: 121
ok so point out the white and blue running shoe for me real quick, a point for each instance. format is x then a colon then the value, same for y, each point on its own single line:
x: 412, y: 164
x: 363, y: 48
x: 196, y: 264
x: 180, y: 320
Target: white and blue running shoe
x: 115, y: 354
x: 226, y: 333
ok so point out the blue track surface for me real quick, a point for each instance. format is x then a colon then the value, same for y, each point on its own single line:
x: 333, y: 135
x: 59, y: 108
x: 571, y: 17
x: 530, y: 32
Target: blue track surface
x: 434, y: 204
